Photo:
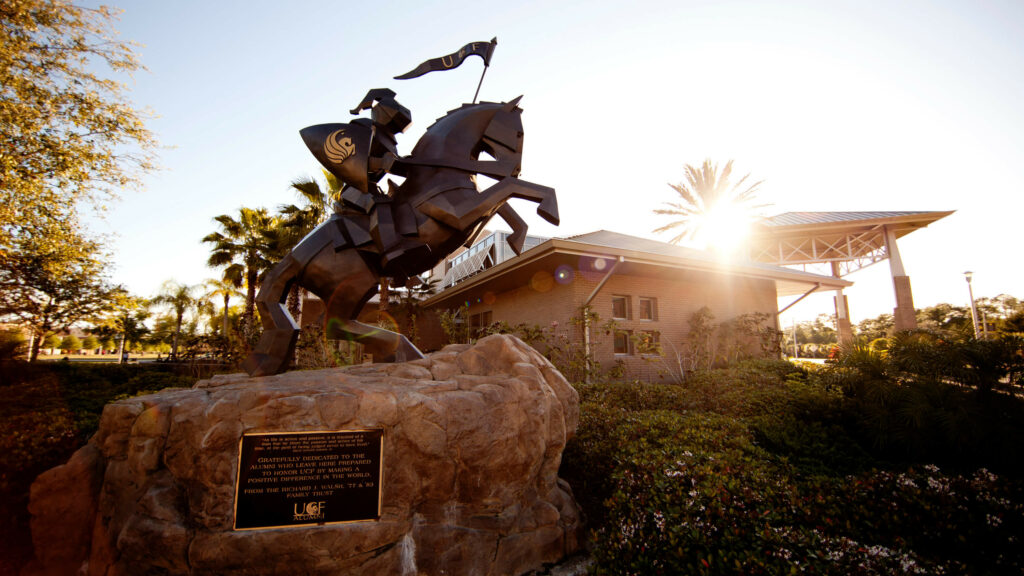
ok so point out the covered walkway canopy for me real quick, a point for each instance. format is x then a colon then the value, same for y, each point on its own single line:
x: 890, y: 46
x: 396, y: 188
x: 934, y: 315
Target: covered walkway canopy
x: 845, y: 242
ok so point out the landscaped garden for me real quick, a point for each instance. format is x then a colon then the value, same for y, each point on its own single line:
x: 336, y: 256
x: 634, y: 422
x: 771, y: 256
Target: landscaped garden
x: 904, y: 461
x: 47, y: 411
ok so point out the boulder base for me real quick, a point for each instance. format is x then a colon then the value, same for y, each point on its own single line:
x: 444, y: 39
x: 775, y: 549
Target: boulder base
x: 473, y: 438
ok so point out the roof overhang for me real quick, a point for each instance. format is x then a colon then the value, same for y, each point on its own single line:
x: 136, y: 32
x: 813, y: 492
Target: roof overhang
x: 843, y: 237
x: 594, y: 260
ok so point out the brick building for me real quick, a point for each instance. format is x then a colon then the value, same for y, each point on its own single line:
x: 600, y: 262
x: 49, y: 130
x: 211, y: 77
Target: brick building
x: 650, y: 289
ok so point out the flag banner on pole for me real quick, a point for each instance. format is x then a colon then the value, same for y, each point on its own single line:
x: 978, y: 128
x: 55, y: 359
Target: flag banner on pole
x: 453, y: 60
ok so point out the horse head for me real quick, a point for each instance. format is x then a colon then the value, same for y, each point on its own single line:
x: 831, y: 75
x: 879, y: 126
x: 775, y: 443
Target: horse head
x: 493, y: 128
x: 503, y: 137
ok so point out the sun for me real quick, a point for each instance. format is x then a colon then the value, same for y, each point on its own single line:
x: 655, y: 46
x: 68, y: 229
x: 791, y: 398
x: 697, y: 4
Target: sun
x: 725, y: 229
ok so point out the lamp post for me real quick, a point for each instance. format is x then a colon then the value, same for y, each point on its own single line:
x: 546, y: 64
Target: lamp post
x: 974, y: 310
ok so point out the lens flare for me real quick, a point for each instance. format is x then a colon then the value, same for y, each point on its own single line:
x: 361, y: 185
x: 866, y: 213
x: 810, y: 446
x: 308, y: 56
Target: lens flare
x: 542, y: 281
x: 564, y: 274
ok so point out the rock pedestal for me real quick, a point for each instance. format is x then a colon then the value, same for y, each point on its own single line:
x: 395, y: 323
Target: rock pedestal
x: 473, y: 438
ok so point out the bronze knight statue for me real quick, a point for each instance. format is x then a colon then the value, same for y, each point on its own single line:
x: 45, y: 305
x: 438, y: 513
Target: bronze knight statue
x: 399, y: 233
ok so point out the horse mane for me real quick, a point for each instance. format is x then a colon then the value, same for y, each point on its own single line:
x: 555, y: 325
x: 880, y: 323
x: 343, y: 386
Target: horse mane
x: 461, y: 108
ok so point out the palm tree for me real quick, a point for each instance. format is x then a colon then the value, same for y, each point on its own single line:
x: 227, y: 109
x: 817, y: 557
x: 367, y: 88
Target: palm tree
x: 709, y: 202
x: 179, y: 298
x: 225, y: 289
x: 317, y: 204
x: 245, y: 249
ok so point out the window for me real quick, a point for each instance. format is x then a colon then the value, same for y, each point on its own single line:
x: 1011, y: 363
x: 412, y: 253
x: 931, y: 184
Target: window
x: 478, y: 322
x: 648, y: 342
x: 620, y: 308
x: 648, y: 308
x: 621, y: 342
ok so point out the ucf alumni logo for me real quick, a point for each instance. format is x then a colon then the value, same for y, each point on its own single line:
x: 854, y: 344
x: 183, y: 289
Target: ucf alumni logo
x: 309, y: 511
x: 338, y: 148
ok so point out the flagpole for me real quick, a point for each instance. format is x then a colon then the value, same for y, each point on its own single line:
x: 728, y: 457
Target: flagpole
x: 480, y: 83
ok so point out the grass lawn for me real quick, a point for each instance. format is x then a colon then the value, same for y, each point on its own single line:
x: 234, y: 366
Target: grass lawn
x: 104, y: 358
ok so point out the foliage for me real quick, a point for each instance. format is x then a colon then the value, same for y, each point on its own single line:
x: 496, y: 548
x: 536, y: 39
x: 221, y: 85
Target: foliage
x: 953, y: 402
x: 52, y: 341
x: 124, y: 320
x: 313, y: 351
x: 700, y: 346
x: 245, y: 247
x: 69, y: 135
x: 705, y: 193
x: 1002, y: 314
x: 12, y: 345
x: 180, y: 299
x: 814, y: 338
x: 225, y: 290
x: 881, y: 326
x: 47, y: 411
x: 90, y: 343
x: 455, y: 324
x: 759, y: 469
x: 47, y: 286
x: 70, y: 344
x: 564, y: 346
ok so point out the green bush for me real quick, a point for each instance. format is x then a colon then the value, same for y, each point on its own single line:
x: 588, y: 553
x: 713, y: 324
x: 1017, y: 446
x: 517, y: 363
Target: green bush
x: 935, y: 399
x: 762, y: 469
x: 47, y: 411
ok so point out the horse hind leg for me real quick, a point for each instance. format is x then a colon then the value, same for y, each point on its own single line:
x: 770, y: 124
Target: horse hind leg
x: 383, y: 344
x: 343, y: 281
x: 276, y: 346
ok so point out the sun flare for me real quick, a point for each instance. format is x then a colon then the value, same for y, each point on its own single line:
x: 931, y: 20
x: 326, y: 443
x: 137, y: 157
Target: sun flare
x: 725, y: 229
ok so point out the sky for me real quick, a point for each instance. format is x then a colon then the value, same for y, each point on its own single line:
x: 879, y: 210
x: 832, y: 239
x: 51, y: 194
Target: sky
x: 836, y: 106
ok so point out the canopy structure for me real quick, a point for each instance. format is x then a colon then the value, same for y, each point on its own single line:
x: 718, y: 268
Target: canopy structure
x: 845, y: 242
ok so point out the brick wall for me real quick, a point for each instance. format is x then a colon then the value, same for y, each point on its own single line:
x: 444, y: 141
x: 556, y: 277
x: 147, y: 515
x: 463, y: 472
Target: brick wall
x: 546, y: 301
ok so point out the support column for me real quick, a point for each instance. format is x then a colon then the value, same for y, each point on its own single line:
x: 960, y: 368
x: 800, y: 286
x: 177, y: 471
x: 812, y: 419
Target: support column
x: 903, y: 315
x: 843, y: 327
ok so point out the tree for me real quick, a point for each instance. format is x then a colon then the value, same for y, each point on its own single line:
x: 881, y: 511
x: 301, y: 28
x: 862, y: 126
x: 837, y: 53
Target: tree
x: 945, y: 317
x: 244, y: 248
x: 124, y: 321
x: 68, y: 133
x: 70, y: 343
x: 51, y: 342
x: 225, y: 290
x: 48, y: 286
x: 178, y: 297
x: 874, y: 328
x: 711, y: 210
x: 90, y: 343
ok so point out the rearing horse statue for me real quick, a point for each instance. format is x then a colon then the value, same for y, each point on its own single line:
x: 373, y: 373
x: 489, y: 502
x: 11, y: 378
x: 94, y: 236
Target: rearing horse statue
x: 403, y: 232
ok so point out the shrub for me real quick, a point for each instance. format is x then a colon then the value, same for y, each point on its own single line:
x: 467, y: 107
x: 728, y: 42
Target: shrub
x: 761, y: 469
x: 935, y: 399
x: 49, y: 410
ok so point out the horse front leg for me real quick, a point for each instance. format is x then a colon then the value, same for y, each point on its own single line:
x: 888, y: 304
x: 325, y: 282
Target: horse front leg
x: 276, y: 346
x: 518, y: 235
x: 460, y: 213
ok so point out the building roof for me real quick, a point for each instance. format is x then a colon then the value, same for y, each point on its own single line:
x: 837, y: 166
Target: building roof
x: 635, y: 256
x: 902, y: 222
x: 811, y: 218
x: 855, y: 239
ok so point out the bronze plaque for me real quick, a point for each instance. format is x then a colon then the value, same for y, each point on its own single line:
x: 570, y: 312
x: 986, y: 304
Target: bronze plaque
x: 308, y: 478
